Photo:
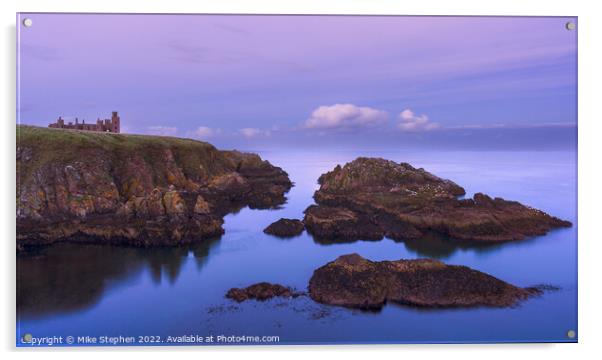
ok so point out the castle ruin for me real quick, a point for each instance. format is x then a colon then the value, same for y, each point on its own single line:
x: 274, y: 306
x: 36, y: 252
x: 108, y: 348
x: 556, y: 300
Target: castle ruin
x: 111, y: 125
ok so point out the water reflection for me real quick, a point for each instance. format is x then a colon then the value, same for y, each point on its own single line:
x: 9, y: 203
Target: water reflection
x: 434, y: 245
x: 64, y: 278
x: 442, y: 247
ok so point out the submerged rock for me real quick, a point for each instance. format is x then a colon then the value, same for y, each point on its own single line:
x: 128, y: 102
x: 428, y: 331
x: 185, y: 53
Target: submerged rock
x: 285, y: 228
x: 133, y: 189
x: 370, y: 198
x: 261, y: 291
x: 353, y: 281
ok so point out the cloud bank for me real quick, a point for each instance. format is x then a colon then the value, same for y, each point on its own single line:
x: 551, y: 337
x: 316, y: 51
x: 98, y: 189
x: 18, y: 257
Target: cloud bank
x: 253, y: 132
x: 204, y: 132
x: 344, y: 116
x: 408, y: 121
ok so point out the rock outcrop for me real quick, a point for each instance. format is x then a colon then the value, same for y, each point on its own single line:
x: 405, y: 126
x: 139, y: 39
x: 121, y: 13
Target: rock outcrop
x: 261, y: 291
x: 353, y: 281
x: 285, y: 228
x: 369, y: 198
x: 133, y: 189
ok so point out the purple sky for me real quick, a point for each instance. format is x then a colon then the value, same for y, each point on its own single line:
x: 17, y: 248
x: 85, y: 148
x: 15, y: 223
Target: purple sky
x: 235, y: 80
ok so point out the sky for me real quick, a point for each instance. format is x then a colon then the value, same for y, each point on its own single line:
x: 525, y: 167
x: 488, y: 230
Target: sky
x: 280, y: 81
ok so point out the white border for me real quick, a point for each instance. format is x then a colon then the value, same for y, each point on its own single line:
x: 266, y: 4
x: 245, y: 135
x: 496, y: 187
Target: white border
x: 589, y: 165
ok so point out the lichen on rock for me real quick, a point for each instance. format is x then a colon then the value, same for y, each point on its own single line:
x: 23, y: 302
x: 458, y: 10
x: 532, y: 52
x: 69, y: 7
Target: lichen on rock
x: 201, y: 206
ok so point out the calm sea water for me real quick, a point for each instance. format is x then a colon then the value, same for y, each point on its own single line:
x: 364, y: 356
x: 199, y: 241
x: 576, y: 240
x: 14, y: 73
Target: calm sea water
x: 74, y: 290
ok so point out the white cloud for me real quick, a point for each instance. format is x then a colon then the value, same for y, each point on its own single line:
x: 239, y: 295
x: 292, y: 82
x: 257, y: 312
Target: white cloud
x: 408, y: 121
x: 204, y: 132
x: 253, y: 132
x: 344, y: 116
x: 162, y: 130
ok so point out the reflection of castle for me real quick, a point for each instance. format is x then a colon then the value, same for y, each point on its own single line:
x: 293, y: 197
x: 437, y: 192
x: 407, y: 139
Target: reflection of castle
x: 106, y: 125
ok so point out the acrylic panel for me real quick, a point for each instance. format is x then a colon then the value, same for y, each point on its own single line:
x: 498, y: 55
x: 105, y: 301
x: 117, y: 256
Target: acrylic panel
x: 188, y: 179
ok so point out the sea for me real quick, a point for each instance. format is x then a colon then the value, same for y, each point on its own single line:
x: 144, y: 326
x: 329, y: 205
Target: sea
x: 103, y: 295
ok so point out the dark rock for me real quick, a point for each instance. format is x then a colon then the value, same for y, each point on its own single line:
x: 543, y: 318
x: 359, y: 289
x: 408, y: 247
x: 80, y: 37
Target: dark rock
x: 285, y: 228
x: 261, y: 291
x: 340, y: 223
x: 368, y: 199
x: 353, y: 281
x: 133, y: 189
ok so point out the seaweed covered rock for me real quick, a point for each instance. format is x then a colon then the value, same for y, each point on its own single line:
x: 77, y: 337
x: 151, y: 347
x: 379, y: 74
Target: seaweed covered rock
x: 353, y: 281
x: 261, y: 291
x: 132, y: 189
x: 285, y: 228
x: 370, y: 198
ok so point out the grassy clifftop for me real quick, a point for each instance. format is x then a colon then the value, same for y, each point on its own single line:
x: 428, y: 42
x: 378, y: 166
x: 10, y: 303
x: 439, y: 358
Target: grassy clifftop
x: 38, y: 147
x: 61, y: 137
x: 65, y: 145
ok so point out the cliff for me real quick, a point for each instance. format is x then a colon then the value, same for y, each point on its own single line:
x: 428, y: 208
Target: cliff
x: 370, y: 198
x: 133, y: 189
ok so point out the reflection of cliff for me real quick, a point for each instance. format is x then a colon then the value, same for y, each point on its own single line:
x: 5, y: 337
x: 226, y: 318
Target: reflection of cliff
x: 71, y: 277
x: 168, y: 261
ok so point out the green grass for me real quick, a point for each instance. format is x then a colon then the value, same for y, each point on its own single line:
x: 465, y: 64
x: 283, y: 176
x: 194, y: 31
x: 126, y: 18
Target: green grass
x: 62, y: 147
x: 75, y: 138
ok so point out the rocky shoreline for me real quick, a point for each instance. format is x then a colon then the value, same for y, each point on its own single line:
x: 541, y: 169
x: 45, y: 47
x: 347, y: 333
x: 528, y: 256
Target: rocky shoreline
x: 146, y: 191
x: 133, y: 189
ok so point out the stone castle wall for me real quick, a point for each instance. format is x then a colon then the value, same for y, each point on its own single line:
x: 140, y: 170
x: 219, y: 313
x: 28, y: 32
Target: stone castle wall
x: 112, y: 125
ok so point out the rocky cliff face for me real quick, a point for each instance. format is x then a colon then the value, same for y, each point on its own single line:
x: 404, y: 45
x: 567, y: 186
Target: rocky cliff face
x: 133, y: 189
x: 371, y: 198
